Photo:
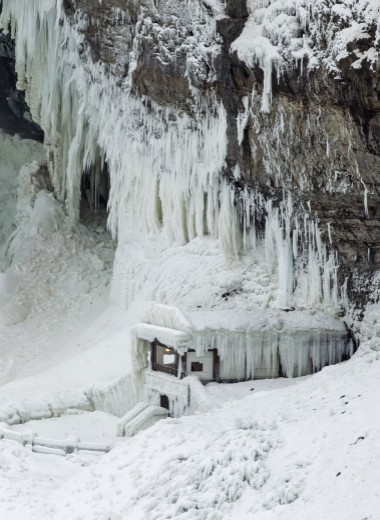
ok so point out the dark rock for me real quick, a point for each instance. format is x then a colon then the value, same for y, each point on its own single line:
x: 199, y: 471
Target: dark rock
x: 15, y: 117
x: 237, y: 8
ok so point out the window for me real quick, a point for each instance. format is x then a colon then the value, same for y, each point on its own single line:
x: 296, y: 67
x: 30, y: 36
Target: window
x: 196, y: 366
x: 164, y: 359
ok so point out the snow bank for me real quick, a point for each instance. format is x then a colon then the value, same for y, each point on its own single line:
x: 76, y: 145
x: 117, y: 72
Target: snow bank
x: 167, y: 316
x: 285, y: 452
x: 172, y: 337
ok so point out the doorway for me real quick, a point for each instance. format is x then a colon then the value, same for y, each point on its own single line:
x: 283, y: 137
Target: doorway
x: 164, y: 401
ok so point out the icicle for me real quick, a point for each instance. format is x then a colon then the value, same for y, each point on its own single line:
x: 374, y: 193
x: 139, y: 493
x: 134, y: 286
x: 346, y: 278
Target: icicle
x: 172, y: 159
x: 329, y: 231
x: 229, y: 226
x: 343, y: 295
x: 256, y: 354
x: 242, y: 119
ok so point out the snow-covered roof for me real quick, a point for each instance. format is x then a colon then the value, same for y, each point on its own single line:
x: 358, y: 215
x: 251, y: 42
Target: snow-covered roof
x: 261, y: 320
x: 171, y: 326
x: 167, y: 316
x: 167, y: 336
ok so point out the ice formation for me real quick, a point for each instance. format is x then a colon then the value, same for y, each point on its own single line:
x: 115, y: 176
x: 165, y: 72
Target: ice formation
x: 274, y: 36
x: 288, y: 353
x: 169, y: 182
x: 14, y: 153
x: 171, y: 337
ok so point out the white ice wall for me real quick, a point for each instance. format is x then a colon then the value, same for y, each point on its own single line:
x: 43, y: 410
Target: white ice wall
x: 256, y: 354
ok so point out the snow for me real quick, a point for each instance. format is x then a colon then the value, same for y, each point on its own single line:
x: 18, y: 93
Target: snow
x: 88, y: 426
x: 269, y: 449
x: 146, y: 418
x: 171, y: 337
x: 167, y: 316
x: 97, y: 376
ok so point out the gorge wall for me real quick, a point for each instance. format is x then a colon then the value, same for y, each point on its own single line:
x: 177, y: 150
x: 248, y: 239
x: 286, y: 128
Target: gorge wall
x: 320, y: 138
x: 276, y: 102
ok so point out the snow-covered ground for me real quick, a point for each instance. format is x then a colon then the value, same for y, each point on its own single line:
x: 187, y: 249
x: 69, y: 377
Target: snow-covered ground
x: 88, y: 426
x: 284, y: 449
x: 264, y: 447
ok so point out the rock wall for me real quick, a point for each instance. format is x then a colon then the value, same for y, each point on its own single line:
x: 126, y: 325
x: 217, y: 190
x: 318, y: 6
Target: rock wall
x: 299, y: 83
x: 321, y: 137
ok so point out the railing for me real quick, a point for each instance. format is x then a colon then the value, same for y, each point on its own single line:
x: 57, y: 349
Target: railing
x: 145, y: 417
x: 53, y: 446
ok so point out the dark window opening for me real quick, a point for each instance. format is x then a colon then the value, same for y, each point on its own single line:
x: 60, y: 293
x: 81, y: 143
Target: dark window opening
x: 15, y: 116
x: 164, y: 359
x: 196, y: 366
x: 164, y: 402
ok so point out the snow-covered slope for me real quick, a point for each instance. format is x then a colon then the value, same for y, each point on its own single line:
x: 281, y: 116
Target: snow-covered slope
x: 285, y: 449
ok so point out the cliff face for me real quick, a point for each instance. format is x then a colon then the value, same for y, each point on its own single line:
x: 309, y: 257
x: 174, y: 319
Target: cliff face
x: 277, y: 101
x: 326, y: 105
x: 320, y: 136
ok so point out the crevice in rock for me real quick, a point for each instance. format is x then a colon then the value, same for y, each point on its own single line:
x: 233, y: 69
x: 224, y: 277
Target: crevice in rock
x: 15, y: 117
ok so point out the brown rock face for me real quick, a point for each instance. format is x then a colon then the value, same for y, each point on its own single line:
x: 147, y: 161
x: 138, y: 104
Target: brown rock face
x: 320, y: 140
